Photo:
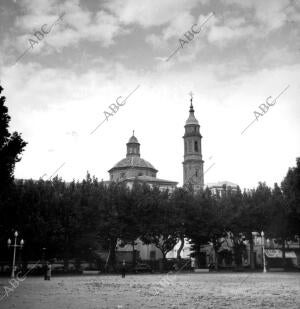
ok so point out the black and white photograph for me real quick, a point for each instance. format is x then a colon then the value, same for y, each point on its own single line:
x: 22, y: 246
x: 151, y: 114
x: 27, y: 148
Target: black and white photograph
x: 149, y: 154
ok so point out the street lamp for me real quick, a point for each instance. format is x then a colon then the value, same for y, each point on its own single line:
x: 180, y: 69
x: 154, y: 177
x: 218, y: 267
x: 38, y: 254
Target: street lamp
x: 44, y: 254
x: 263, y: 250
x: 15, y: 246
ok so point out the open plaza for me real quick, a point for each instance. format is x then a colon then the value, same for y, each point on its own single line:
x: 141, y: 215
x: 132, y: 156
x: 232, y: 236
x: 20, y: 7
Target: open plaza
x: 149, y: 154
x: 181, y: 290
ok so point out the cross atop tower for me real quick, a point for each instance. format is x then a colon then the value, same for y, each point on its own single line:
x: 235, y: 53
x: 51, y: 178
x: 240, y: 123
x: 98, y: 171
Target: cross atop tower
x: 191, y: 95
x: 191, y: 107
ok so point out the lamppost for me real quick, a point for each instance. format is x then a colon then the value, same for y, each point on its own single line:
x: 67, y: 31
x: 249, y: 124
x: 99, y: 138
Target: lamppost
x: 44, y: 256
x: 15, y: 246
x: 263, y: 249
x: 298, y: 238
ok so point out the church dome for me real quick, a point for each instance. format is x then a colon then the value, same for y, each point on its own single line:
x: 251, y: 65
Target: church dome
x: 133, y: 159
x: 133, y: 139
x: 134, y: 162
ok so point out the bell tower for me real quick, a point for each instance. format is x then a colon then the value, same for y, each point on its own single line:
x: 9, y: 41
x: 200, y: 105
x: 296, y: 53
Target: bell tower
x: 193, y: 163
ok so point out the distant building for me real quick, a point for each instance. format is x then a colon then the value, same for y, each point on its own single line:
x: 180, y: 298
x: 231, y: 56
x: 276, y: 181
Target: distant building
x: 134, y: 168
x: 128, y: 170
x: 222, y: 187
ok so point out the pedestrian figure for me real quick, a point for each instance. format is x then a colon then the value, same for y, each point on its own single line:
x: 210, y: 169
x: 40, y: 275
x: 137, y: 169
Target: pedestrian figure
x: 47, y: 271
x: 193, y: 263
x: 175, y: 266
x: 123, y: 269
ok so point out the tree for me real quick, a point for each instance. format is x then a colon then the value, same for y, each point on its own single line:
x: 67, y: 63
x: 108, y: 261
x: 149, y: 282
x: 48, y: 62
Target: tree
x: 291, y: 192
x: 11, y: 146
x: 254, y: 214
x: 206, y: 223
x: 278, y: 226
x: 158, y: 226
x: 114, y: 215
x: 181, y: 201
x: 290, y: 206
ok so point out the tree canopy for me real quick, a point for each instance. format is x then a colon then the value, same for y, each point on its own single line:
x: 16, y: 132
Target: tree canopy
x: 11, y: 146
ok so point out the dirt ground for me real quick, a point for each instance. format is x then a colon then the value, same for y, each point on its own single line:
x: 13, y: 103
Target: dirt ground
x: 187, y: 290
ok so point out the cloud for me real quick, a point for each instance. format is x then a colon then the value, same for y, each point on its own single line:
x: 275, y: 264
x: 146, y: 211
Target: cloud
x: 156, y: 41
x: 268, y: 13
x: 148, y: 13
x: 251, y: 19
x: 224, y: 34
x: 178, y: 26
x: 77, y: 25
x: 176, y: 29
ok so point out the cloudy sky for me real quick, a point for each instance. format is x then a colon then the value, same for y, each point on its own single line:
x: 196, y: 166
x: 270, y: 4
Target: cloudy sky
x: 59, y: 83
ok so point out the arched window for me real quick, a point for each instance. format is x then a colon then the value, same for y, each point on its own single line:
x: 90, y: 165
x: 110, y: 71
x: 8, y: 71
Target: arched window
x: 196, y: 146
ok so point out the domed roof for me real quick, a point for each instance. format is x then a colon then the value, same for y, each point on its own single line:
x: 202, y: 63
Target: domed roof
x: 133, y: 139
x: 192, y: 119
x: 133, y: 161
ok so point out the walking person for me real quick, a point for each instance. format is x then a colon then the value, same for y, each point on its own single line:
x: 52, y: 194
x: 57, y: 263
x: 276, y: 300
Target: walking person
x: 47, y: 271
x: 123, y: 269
x: 45, y: 267
x: 193, y: 263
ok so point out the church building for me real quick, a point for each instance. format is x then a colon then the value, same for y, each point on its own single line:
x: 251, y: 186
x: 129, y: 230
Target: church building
x: 193, y: 163
x: 134, y: 168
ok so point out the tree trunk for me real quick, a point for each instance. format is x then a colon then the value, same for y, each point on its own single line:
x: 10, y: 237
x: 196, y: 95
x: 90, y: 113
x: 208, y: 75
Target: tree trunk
x: 113, y: 254
x: 66, y: 263
x: 251, y: 252
x: 106, y: 262
x: 162, y: 268
x: 181, y: 247
x: 133, y: 254
x: 216, y: 259
x: 283, y: 254
x: 111, y: 259
x: 66, y: 253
